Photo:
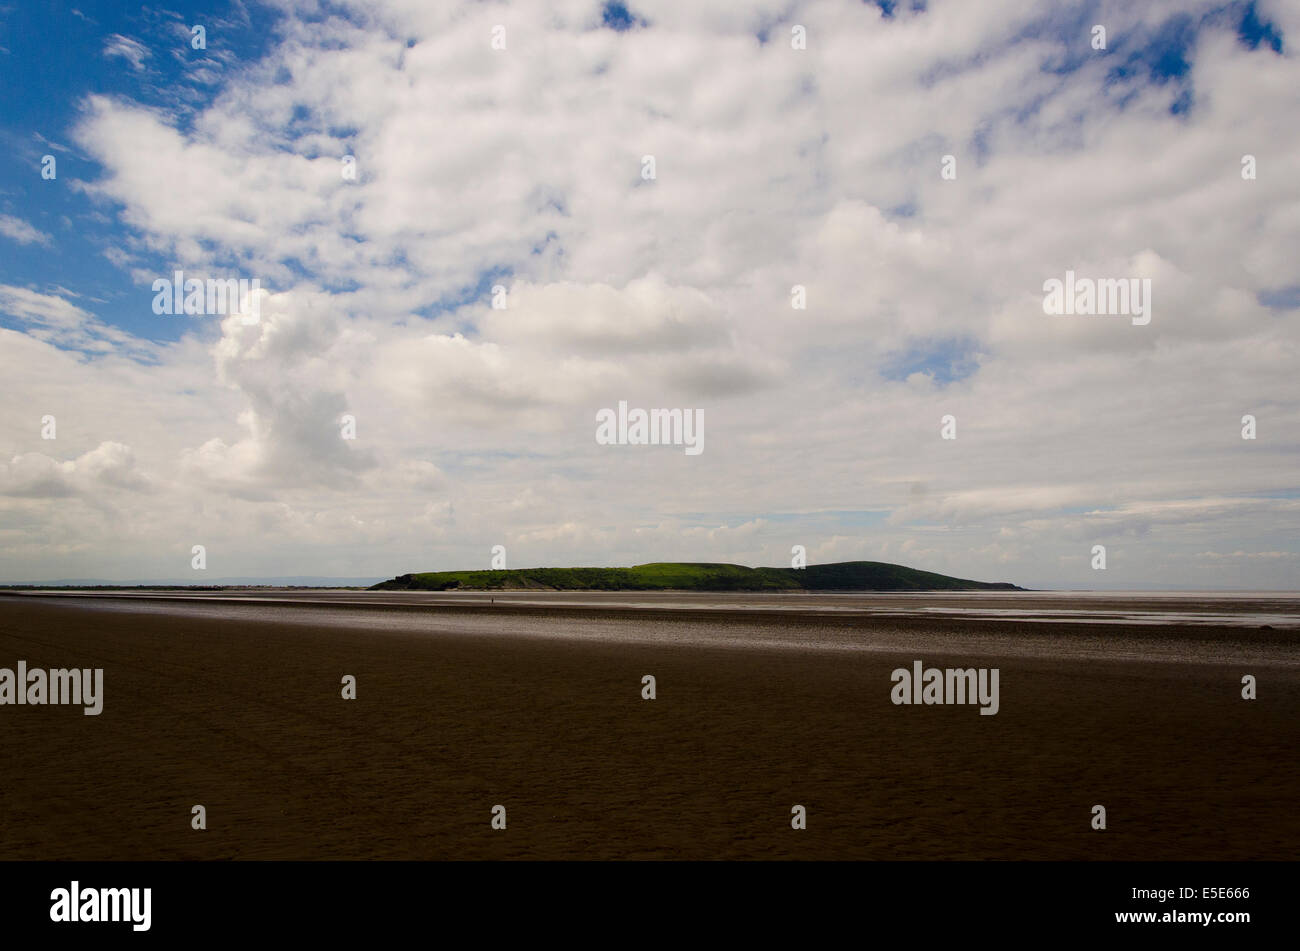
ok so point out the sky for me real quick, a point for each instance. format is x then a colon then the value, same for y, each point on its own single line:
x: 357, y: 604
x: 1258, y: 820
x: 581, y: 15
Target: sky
x: 917, y: 171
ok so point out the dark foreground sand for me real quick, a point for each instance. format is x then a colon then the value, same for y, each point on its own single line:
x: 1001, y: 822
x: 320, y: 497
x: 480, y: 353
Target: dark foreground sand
x: 246, y: 718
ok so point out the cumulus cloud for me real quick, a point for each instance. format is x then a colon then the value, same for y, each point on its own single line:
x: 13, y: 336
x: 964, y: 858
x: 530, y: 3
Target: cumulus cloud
x: 35, y: 475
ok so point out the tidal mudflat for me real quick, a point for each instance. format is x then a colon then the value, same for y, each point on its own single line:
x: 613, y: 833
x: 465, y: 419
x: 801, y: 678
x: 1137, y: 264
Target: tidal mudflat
x: 534, y: 701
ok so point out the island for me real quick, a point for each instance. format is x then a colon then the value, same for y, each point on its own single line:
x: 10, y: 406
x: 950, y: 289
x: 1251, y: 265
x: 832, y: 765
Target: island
x: 694, y: 576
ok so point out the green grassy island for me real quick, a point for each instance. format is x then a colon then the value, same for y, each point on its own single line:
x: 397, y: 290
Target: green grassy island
x: 694, y: 576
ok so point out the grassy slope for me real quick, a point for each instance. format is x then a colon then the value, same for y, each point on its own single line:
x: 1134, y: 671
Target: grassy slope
x: 694, y: 576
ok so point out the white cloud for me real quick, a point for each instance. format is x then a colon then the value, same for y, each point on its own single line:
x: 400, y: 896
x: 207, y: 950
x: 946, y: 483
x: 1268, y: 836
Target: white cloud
x: 123, y: 47
x: 18, y: 230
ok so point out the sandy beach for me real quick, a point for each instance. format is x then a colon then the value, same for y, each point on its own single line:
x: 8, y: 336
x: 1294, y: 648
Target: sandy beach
x: 241, y: 711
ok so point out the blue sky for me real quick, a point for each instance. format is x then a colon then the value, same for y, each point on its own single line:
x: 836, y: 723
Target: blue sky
x: 55, y: 57
x: 521, y: 168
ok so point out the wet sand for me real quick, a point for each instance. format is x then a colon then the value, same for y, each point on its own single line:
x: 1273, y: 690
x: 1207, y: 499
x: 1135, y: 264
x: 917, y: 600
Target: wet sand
x: 245, y: 717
